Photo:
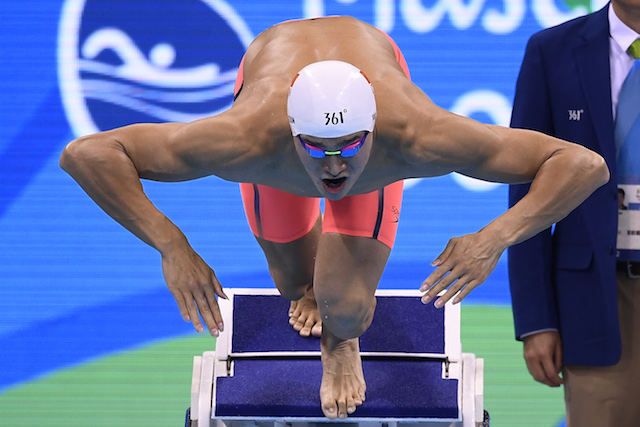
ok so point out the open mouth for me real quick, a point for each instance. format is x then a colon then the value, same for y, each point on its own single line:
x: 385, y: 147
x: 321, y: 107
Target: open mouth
x: 334, y: 185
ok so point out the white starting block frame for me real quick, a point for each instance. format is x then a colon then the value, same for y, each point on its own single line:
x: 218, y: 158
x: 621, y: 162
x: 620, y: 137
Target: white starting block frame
x: 464, y: 367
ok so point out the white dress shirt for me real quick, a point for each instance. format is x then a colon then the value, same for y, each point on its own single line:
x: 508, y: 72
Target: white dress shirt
x: 620, y: 39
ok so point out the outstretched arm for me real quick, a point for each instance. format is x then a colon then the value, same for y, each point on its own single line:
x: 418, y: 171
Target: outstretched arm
x: 562, y: 176
x: 109, y: 166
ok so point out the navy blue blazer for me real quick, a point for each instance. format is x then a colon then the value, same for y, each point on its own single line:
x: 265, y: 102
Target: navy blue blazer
x: 566, y: 278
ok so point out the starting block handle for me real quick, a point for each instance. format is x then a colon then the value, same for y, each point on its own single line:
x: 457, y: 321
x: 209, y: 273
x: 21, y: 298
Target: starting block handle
x: 473, y: 413
x: 479, y: 416
x: 195, y: 387
x: 317, y: 355
x: 202, y: 389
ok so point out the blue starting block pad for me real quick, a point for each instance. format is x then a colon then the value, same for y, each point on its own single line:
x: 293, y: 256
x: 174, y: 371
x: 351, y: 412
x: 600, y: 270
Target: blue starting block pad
x: 264, y: 373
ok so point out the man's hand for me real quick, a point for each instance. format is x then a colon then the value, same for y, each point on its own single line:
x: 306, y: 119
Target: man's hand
x: 194, y: 286
x: 543, y: 354
x: 468, y: 260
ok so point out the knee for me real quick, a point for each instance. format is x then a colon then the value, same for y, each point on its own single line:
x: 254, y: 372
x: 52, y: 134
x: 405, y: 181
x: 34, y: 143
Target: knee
x: 346, y: 316
x: 290, y: 287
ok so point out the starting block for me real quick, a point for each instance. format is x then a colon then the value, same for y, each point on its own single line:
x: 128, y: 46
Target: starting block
x: 263, y: 373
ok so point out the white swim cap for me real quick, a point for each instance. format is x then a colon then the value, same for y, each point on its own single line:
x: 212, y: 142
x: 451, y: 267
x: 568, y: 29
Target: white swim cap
x: 329, y: 99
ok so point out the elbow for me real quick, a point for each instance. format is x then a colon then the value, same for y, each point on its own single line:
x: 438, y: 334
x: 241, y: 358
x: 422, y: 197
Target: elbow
x: 72, y: 154
x: 593, y: 167
x: 83, y: 153
x: 600, y: 170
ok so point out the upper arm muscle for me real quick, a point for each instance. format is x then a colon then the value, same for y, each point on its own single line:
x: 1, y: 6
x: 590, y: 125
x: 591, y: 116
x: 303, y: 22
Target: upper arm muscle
x: 491, y: 153
x: 178, y: 151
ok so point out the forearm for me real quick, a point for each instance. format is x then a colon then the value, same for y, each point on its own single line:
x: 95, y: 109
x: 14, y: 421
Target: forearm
x: 562, y: 183
x: 102, y: 168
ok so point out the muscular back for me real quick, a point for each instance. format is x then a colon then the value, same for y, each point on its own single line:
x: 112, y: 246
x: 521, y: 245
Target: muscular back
x: 284, y: 49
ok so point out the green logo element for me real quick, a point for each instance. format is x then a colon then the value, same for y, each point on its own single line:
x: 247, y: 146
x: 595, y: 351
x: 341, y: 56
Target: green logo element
x: 574, y: 4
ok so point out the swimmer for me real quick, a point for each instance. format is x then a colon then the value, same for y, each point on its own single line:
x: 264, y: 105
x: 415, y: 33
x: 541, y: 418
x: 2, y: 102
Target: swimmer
x: 325, y: 109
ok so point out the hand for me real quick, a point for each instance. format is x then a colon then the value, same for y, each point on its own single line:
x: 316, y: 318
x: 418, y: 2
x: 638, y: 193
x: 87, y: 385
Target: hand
x: 194, y: 286
x: 543, y: 354
x: 468, y: 260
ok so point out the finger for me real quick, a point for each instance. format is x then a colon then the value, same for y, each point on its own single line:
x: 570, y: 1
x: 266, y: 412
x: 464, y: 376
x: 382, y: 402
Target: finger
x: 439, y: 272
x: 210, y: 294
x: 536, y: 368
x: 557, y: 364
x: 440, y: 259
x: 553, y: 379
x: 466, y: 290
x: 453, y: 290
x: 435, y: 276
x: 432, y: 279
x: 205, y: 313
x: 182, y: 306
x: 211, y: 314
x: 537, y: 373
x: 558, y: 357
x: 192, y: 308
x: 207, y: 316
x: 217, y: 286
x: 444, y: 283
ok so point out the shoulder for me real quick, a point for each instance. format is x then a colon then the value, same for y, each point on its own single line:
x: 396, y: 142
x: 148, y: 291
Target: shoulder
x: 402, y: 107
x: 568, y: 33
x: 415, y: 133
x: 233, y: 145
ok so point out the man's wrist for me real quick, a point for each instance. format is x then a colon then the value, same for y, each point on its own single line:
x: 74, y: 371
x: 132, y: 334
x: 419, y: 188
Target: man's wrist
x: 539, y: 331
x: 169, y: 239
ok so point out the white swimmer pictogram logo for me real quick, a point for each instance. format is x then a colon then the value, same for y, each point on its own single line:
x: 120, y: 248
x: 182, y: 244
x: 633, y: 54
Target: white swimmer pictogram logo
x: 123, y: 62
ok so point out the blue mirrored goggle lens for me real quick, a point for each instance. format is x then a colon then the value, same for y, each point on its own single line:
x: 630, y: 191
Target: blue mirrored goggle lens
x: 348, y: 151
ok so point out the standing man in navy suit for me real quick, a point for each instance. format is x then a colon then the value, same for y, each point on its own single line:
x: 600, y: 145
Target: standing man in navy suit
x: 576, y: 305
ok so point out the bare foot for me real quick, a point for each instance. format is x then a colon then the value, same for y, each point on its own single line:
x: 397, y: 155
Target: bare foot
x: 304, y: 316
x: 343, y: 387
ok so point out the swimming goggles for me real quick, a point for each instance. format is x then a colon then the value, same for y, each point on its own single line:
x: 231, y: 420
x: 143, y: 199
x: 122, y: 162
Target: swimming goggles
x: 348, y: 151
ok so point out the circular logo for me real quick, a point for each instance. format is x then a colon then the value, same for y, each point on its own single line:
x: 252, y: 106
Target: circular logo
x: 123, y: 62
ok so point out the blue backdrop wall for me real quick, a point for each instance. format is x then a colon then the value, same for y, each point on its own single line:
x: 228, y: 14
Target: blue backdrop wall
x: 75, y: 285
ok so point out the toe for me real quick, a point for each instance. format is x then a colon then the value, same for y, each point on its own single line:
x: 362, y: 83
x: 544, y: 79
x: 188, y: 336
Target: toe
x: 292, y: 307
x: 342, y: 409
x: 307, y: 330
x: 329, y: 411
x: 316, y: 331
x: 351, y: 406
x: 300, y: 323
